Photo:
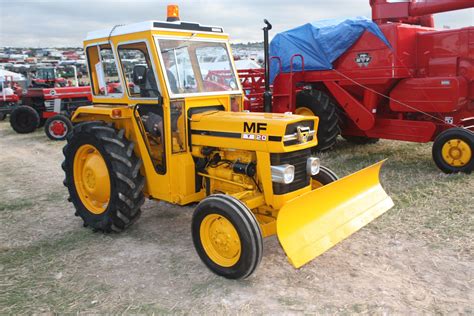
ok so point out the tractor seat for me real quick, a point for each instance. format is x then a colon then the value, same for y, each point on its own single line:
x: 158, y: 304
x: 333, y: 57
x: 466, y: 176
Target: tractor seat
x: 149, y: 89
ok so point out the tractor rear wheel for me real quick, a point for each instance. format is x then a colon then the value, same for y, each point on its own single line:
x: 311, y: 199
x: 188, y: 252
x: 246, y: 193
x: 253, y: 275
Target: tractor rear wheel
x: 227, y: 236
x: 320, y: 104
x: 360, y: 140
x: 323, y: 177
x: 453, y: 150
x: 103, y: 176
x: 57, y: 127
x: 24, y: 119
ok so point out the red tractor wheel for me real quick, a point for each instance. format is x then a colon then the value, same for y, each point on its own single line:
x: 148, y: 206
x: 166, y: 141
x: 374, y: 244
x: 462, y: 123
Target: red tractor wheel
x: 24, y: 119
x: 57, y: 127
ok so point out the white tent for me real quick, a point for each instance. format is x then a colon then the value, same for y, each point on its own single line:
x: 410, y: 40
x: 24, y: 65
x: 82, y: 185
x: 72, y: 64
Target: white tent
x: 8, y: 75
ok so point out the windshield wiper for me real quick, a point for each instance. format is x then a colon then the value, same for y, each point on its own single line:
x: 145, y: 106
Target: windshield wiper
x: 174, y: 48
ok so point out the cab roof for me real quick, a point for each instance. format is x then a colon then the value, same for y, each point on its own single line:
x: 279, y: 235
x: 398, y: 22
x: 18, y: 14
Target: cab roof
x: 152, y: 26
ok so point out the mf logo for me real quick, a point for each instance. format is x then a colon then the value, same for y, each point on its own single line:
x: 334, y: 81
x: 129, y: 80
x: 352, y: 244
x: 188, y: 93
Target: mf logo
x: 363, y: 59
x: 254, y: 127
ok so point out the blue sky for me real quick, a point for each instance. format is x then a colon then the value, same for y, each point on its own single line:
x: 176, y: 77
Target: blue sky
x: 43, y: 23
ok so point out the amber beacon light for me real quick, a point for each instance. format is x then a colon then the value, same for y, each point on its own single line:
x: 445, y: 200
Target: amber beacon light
x: 173, y: 13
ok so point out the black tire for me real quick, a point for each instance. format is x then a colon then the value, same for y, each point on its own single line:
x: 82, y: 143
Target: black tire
x: 323, y: 177
x: 24, y: 119
x: 247, y: 227
x: 3, y: 116
x: 324, y: 107
x: 52, y: 130
x: 446, y: 137
x: 126, y: 182
x: 360, y: 140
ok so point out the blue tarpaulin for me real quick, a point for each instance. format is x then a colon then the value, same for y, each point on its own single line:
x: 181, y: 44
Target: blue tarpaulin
x: 320, y: 43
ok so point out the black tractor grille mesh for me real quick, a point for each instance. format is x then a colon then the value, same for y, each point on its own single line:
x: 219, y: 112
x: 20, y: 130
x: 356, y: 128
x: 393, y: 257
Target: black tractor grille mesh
x: 297, y: 159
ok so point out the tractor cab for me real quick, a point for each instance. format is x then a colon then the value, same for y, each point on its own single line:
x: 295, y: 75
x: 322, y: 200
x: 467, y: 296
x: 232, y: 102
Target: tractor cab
x: 53, y: 77
x: 163, y: 69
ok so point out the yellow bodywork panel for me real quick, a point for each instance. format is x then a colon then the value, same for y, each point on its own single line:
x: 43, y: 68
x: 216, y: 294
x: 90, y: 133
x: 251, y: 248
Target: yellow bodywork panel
x: 261, y: 132
x: 309, y: 225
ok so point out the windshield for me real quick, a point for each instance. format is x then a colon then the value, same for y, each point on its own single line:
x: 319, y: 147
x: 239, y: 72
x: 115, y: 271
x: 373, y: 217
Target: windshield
x: 197, y: 67
x: 46, y: 74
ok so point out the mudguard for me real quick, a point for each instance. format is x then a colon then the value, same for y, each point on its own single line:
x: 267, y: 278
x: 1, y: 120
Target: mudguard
x: 312, y: 223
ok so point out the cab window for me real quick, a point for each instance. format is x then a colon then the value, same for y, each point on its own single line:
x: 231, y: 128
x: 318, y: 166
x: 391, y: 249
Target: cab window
x: 197, y: 66
x: 104, y: 73
x: 138, y: 71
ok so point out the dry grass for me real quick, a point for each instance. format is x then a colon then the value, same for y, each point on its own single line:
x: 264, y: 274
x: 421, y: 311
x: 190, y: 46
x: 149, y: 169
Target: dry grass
x: 415, y: 258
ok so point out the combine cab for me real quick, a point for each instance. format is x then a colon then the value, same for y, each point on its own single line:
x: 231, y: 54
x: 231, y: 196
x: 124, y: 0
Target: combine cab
x: 420, y: 88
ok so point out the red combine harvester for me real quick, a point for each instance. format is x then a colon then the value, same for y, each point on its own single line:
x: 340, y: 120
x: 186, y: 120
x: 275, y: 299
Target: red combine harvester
x: 420, y: 90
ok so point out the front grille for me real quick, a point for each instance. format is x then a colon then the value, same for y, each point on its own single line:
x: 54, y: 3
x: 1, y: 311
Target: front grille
x: 49, y: 105
x: 293, y: 128
x: 297, y: 159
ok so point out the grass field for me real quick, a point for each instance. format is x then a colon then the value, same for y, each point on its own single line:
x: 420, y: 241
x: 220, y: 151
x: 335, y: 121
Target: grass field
x: 417, y: 257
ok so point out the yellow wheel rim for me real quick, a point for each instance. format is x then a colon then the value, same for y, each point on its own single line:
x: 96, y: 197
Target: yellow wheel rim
x: 315, y: 184
x: 456, y: 152
x: 91, y: 178
x: 220, y: 240
x: 304, y: 111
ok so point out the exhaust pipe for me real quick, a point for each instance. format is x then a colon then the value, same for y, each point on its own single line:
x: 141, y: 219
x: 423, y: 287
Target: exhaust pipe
x: 267, y: 95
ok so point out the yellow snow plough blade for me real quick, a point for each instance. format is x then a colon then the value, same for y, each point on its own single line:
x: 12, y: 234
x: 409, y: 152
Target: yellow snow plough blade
x: 312, y: 223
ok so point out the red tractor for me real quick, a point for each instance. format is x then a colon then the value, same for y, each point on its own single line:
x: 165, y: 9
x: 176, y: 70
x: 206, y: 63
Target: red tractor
x: 50, y: 100
x: 420, y: 89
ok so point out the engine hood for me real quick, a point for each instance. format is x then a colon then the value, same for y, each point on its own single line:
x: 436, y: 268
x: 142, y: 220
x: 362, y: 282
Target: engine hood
x: 271, y: 132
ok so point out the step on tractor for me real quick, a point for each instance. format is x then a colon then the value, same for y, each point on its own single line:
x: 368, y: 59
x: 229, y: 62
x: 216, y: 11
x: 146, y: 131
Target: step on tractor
x: 172, y: 136
x: 420, y: 88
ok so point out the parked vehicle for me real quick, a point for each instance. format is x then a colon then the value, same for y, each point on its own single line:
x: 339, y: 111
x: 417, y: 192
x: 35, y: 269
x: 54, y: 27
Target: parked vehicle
x: 420, y: 88
x: 51, y: 107
x: 173, y: 136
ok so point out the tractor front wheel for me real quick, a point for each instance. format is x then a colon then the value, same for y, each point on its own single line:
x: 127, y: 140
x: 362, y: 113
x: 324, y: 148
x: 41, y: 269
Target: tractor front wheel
x: 103, y: 176
x: 227, y: 236
x: 24, y: 119
x: 3, y: 116
x: 320, y: 104
x: 453, y: 150
x: 57, y: 127
x: 323, y: 177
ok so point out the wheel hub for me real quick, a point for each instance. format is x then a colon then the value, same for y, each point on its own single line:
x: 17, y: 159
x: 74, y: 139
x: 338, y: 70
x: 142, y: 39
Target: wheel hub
x: 91, y: 179
x: 220, y: 240
x: 57, y: 128
x: 304, y: 111
x: 456, y: 152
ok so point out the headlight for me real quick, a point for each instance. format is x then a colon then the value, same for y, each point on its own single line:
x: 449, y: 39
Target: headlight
x: 283, y: 174
x: 312, y: 166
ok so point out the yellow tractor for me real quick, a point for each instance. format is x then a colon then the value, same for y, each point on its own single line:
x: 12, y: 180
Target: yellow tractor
x: 166, y: 124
